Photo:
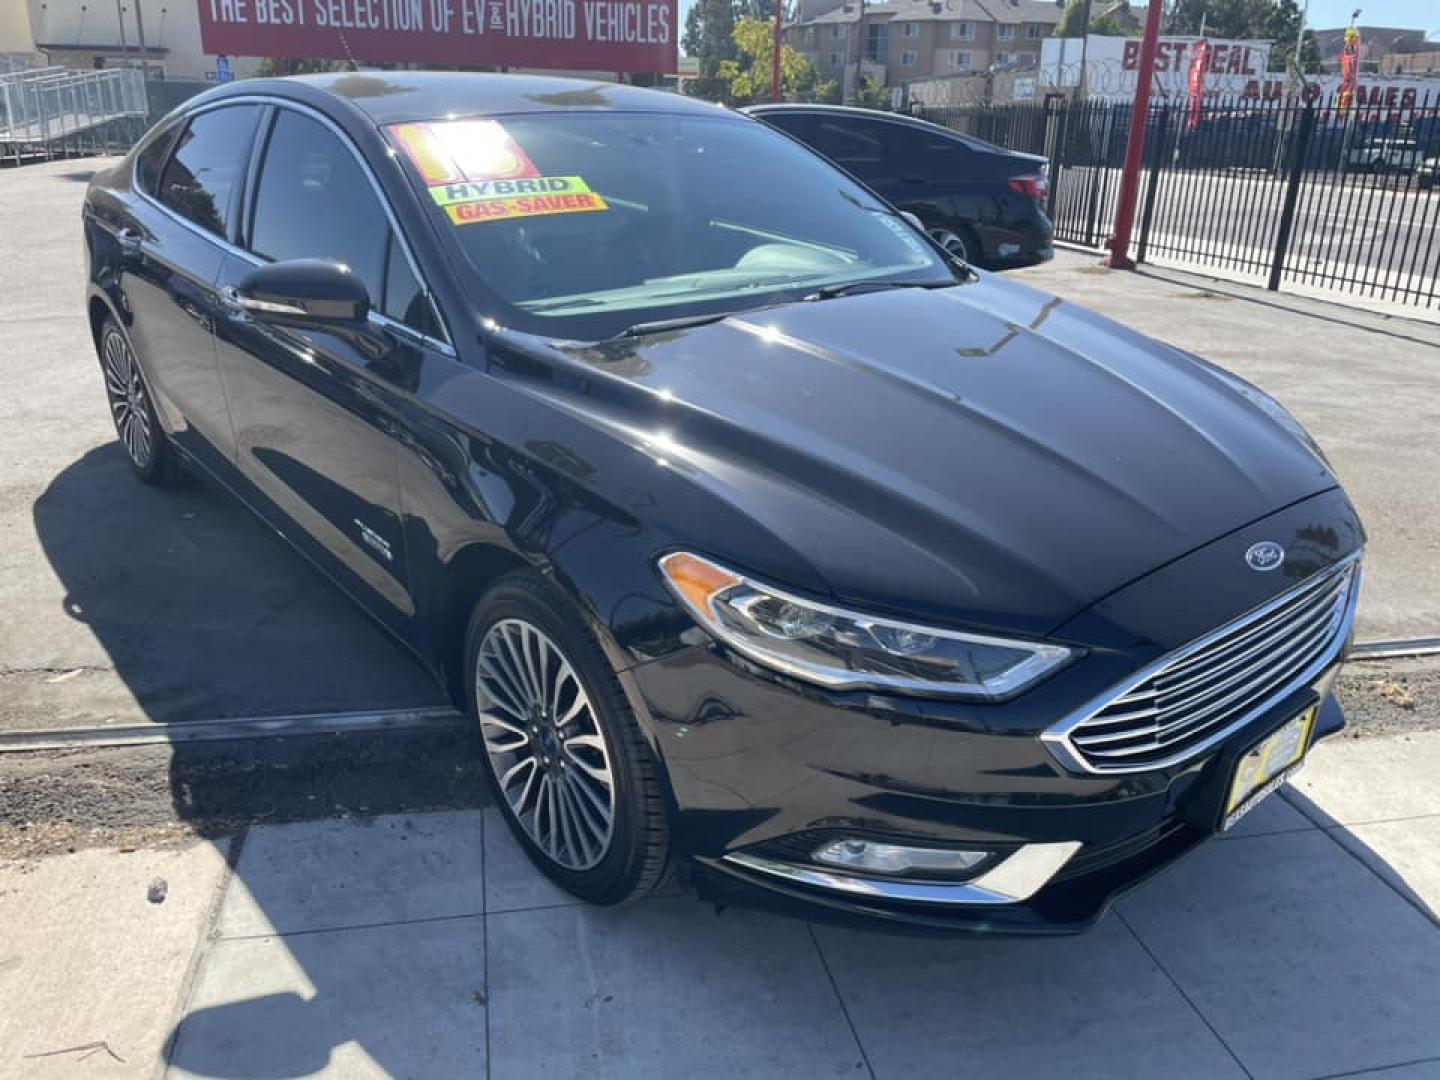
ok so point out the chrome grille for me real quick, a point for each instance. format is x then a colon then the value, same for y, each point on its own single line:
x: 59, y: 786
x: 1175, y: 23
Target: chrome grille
x: 1190, y: 700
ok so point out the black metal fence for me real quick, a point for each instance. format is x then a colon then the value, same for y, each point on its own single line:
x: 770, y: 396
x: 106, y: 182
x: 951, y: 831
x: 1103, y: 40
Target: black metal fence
x: 1286, y: 192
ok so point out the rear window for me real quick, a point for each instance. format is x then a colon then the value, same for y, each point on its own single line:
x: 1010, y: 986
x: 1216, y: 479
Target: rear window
x: 585, y: 223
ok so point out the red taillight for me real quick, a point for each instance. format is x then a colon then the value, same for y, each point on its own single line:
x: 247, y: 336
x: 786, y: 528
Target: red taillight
x: 1037, y: 187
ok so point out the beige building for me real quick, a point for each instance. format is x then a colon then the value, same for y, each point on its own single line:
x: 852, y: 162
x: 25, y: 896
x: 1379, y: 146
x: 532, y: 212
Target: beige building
x: 901, y: 41
x: 92, y: 34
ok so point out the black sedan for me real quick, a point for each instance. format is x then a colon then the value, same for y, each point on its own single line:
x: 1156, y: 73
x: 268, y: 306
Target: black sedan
x: 764, y: 542
x: 983, y: 203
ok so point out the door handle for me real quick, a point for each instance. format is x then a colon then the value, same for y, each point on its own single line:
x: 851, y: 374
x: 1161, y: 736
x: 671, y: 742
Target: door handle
x: 130, y: 243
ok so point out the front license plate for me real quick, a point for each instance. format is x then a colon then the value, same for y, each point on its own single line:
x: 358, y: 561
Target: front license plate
x: 1267, y: 765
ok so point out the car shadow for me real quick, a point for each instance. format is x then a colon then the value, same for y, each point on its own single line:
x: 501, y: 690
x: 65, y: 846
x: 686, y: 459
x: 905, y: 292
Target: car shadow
x: 205, y: 612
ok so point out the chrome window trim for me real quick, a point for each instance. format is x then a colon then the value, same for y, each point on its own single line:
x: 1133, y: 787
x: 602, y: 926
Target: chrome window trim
x: 442, y: 345
x: 1057, y: 737
x: 1013, y: 880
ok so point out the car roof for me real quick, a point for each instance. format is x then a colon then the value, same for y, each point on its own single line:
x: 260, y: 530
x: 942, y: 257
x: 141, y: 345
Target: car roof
x: 395, y: 97
x: 856, y: 113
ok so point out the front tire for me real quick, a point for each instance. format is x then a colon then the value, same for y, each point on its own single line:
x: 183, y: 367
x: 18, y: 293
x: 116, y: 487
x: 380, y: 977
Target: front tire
x: 573, y: 776
x: 136, y: 423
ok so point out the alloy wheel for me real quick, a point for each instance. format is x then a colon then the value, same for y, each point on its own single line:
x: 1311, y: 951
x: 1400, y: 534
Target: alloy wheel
x: 128, y: 403
x: 544, y: 744
x: 952, y: 242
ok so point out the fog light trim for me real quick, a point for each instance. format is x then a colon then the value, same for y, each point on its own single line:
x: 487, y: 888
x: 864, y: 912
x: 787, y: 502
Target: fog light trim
x: 1013, y: 880
x: 871, y: 856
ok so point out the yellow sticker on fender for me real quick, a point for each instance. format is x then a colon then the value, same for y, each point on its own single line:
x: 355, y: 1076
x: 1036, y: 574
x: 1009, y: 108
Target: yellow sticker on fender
x: 473, y: 190
x: 467, y: 213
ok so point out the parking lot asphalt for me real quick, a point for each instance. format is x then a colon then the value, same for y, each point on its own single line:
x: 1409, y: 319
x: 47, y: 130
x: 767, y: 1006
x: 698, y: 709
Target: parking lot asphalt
x: 1303, y: 945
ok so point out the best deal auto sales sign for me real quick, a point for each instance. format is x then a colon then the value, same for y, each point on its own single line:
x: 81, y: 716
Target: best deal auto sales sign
x: 580, y: 35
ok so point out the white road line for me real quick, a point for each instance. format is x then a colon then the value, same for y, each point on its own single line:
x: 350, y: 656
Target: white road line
x: 245, y: 727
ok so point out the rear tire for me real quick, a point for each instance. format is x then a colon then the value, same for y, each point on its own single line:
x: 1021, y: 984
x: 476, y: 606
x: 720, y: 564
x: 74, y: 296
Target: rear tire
x: 573, y: 776
x: 957, y: 242
x: 137, y: 425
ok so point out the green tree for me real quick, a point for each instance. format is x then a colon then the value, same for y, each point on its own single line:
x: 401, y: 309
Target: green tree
x: 870, y: 95
x: 1072, y: 21
x: 710, y: 38
x: 750, y: 76
x: 1275, y: 20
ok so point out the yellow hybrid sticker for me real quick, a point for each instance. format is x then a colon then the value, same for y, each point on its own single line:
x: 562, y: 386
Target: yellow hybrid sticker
x: 467, y: 213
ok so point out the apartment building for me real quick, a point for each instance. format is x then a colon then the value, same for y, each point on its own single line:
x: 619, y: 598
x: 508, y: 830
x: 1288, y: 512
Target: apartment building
x: 899, y: 41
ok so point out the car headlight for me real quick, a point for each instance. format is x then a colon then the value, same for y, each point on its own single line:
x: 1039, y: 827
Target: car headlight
x: 849, y: 650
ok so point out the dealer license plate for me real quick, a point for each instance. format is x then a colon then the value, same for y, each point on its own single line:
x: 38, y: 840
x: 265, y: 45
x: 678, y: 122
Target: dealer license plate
x: 1267, y: 765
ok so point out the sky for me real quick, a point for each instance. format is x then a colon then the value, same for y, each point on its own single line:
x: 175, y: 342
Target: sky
x: 1420, y: 14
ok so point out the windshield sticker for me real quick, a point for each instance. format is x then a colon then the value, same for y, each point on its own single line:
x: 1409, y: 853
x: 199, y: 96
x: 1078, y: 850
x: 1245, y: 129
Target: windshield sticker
x: 458, y: 150
x: 905, y: 233
x: 448, y: 194
x: 467, y: 213
x: 477, y: 172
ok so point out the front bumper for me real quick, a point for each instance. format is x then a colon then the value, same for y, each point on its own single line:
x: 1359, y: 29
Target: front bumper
x: 764, y: 770
x: 1113, y: 833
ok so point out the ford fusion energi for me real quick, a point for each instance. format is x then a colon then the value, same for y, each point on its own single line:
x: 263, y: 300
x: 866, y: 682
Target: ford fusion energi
x: 766, y: 542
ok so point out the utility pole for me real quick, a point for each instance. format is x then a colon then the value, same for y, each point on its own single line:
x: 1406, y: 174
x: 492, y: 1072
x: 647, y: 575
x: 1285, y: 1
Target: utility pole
x: 1119, y: 258
x: 1085, y: 49
x: 1300, y: 36
x: 120, y: 18
x: 861, y: 45
x: 140, y: 32
x: 779, y: 17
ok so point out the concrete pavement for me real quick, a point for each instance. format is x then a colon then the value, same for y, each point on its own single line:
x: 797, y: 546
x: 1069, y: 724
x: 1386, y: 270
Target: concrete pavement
x: 1304, y: 945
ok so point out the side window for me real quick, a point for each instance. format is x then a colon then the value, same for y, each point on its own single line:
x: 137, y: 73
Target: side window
x: 405, y: 301
x: 925, y: 154
x: 795, y: 124
x: 208, y: 165
x: 152, y: 160
x: 857, y: 145
x: 313, y: 201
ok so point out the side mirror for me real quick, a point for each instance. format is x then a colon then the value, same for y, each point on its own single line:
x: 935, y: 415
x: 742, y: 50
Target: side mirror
x: 303, y: 293
x: 913, y: 220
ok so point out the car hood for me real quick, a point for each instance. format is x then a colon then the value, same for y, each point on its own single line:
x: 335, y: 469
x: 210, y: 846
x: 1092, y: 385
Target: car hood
x: 984, y: 455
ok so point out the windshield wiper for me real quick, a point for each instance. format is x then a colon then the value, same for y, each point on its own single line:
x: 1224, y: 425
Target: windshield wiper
x: 845, y: 288
x: 659, y: 326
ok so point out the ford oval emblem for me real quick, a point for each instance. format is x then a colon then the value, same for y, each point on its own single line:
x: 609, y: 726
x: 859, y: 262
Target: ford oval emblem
x: 1266, y: 555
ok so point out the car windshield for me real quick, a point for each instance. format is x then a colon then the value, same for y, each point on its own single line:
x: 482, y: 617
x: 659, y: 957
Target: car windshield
x: 586, y: 224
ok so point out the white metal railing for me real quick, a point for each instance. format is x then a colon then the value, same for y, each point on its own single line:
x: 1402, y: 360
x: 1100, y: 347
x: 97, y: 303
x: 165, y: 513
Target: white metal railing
x: 41, y: 108
x: 14, y: 61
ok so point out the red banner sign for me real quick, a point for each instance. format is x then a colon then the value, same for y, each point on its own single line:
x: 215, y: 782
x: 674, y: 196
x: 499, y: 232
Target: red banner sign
x: 577, y: 35
x: 1349, y: 69
x: 1199, y: 63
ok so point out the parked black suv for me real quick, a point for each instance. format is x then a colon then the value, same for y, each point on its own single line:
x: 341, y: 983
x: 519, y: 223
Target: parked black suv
x: 979, y: 201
